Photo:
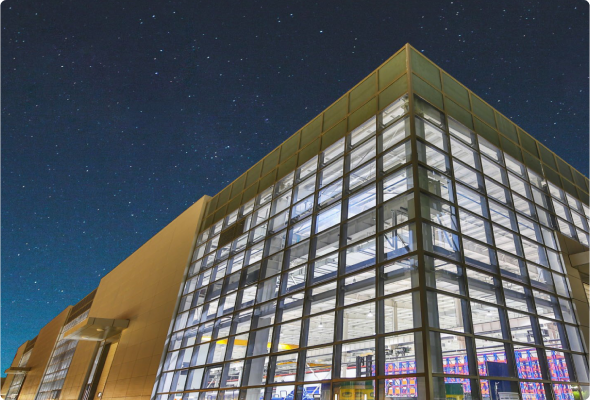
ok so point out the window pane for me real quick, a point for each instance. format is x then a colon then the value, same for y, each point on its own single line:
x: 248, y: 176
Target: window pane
x: 358, y: 359
x: 361, y: 176
x: 364, y: 131
x: 436, y: 183
x: 527, y: 362
x: 328, y: 218
x: 402, y: 312
x: 403, y: 354
x: 361, y: 227
x: 362, y: 201
x: 333, y: 152
x: 359, y: 287
x: 304, y: 189
x: 289, y: 334
x: 322, y: 327
x: 360, y: 255
x: 330, y: 193
x: 442, y: 275
x: 398, y: 211
x: 431, y: 134
x: 491, y: 358
x: 399, y: 276
x: 327, y: 242
x: 438, y: 212
x: 397, y: 183
x: 318, y: 364
x: 449, y: 354
x: 440, y: 241
x: 331, y: 173
x: 446, y: 312
x: 395, y: 110
x: 396, y: 133
x: 486, y: 320
x: 396, y: 157
x: 433, y: 157
x: 399, y: 241
x: 323, y: 298
x: 363, y: 154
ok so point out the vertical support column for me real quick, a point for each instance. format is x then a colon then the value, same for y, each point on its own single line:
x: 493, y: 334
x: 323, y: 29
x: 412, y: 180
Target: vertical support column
x: 426, y: 348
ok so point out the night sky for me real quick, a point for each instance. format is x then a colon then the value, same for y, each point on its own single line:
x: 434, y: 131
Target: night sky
x: 118, y: 115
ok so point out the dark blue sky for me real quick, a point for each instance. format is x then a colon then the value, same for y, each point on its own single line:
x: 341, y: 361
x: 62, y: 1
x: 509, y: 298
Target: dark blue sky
x: 116, y: 116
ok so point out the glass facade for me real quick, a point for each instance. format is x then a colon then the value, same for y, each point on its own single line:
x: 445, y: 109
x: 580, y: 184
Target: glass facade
x: 19, y: 379
x: 59, y: 363
x: 411, y: 258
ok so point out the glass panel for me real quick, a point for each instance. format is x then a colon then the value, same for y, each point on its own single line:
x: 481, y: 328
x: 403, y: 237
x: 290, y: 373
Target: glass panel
x: 465, y: 154
x: 328, y: 218
x: 431, y: 134
x: 333, y: 152
x: 471, y: 200
x: 322, y: 327
x: 285, y: 369
x: 399, y: 276
x: 364, y: 200
x: 327, y: 241
x: 323, y: 298
x: 446, y: 312
x: 403, y: 354
x: 396, y: 157
x: 364, y: 131
x: 438, y: 240
x: 398, y: 211
x: 363, y: 154
x: 361, y: 227
x: 399, y: 241
x: 490, y: 150
x: 396, y: 133
x: 330, y: 193
x: 491, y: 358
x: 395, y: 110
x: 486, y: 320
x: 397, y: 183
x: 359, y: 287
x: 318, y: 364
x: 358, y: 359
x: 436, y: 183
x: 527, y: 362
x: 433, y: 157
x: 331, y: 173
x: 438, y: 212
x: 461, y: 131
x: 304, y: 189
x: 310, y: 167
x: 449, y: 353
x: 362, y: 175
x: 360, y: 255
x: 483, y: 287
x: 401, y: 312
x: 442, y: 275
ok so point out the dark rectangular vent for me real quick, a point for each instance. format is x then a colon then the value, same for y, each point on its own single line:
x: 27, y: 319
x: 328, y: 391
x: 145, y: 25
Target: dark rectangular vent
x: 81, y: 306
x: 30, y: 344
x: 231, y: 233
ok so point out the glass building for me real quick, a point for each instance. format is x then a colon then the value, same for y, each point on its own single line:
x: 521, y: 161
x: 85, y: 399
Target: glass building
x: 410, y: 242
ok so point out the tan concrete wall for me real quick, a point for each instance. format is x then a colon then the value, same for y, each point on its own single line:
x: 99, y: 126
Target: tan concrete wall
x: 6, y: 382
x: 144, y: 290
x: 41, y: 353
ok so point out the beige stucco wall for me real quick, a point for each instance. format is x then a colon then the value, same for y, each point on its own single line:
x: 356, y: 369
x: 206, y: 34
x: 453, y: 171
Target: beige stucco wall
x: 142, y: 289
x: 41, y: 354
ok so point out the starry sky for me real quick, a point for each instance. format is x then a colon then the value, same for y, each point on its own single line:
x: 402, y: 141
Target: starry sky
x: 118, y: 115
